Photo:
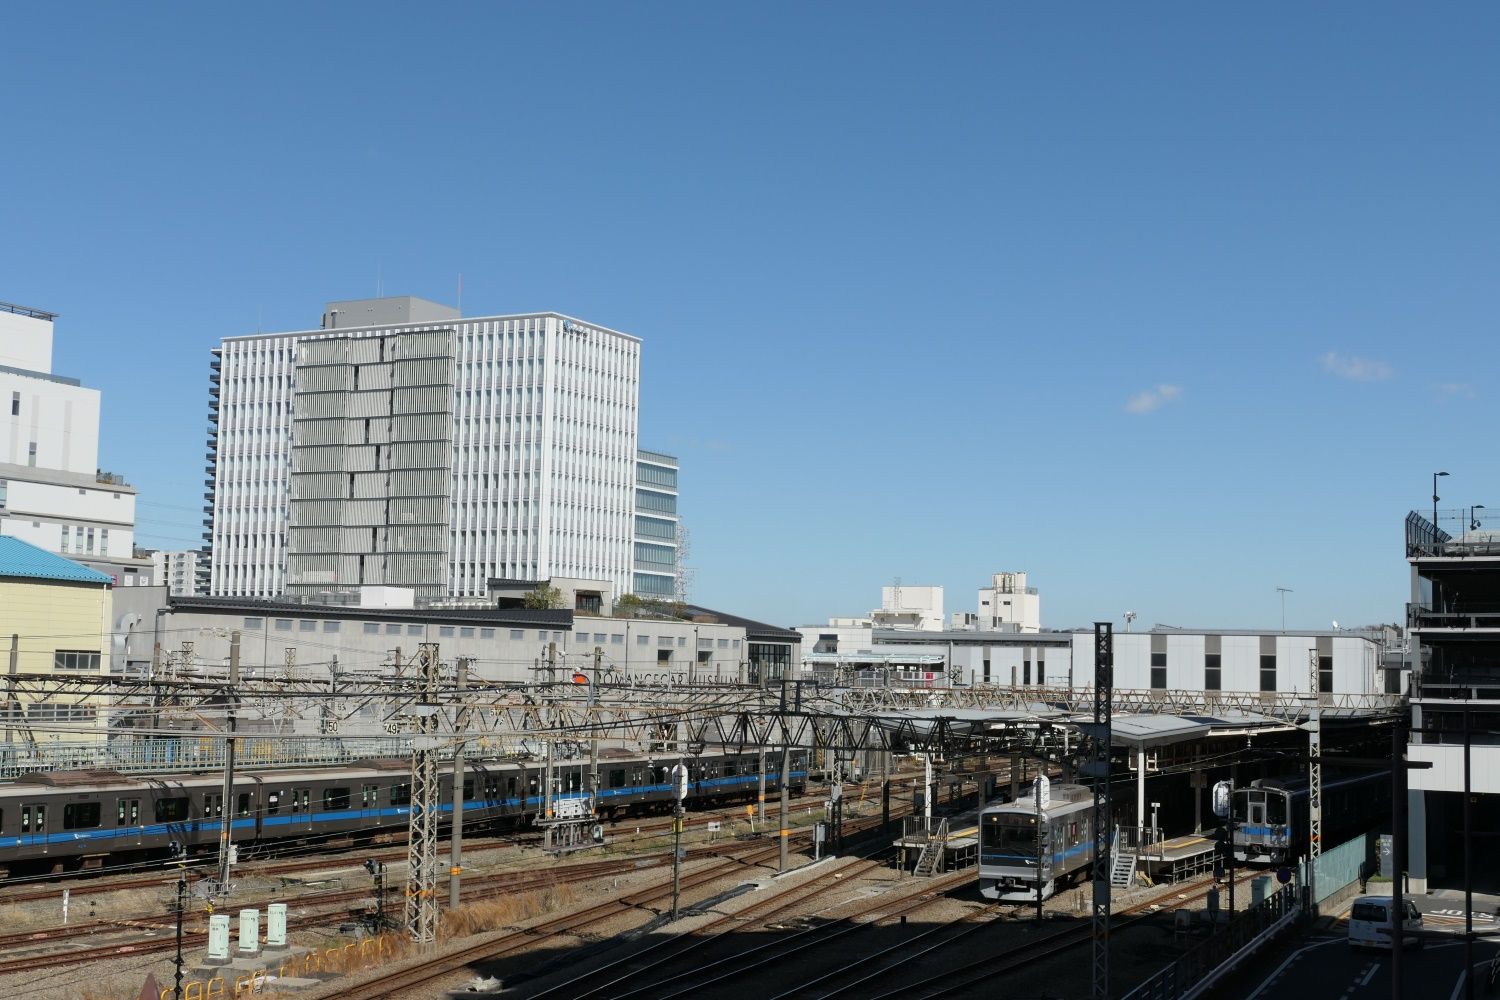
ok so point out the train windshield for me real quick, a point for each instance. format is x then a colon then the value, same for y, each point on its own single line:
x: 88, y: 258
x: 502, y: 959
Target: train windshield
x: 1012, y: 833
x: 1275, y: 808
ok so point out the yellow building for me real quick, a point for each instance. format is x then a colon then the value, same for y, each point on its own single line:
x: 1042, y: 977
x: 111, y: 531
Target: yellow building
x: 54, y: 619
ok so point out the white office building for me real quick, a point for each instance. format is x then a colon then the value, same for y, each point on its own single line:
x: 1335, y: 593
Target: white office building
x: 52, y: 492
x: 402, y: 444
x: 658, y: 529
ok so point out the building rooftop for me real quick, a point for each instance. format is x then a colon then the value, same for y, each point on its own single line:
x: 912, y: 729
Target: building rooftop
x: 23, y: 560
x: 27, y: 311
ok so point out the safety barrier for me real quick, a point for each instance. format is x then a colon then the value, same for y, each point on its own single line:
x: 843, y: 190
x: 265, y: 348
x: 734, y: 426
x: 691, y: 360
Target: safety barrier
x: 1198, y: 970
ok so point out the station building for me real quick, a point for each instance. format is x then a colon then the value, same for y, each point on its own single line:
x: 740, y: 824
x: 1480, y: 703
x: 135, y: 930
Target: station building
x: 1454, y: 623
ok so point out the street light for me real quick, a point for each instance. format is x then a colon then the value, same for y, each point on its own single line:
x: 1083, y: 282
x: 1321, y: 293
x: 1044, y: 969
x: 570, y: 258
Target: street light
x: 1435, y: 497
x: 1473, y: 524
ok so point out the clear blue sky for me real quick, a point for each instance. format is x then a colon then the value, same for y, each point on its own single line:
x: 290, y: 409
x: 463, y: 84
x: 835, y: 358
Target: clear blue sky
x: 1166, y: 305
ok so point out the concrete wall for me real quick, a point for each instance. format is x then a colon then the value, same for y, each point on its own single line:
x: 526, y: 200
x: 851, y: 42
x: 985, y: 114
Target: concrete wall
x: 25, y: 342
x: 61, y: 420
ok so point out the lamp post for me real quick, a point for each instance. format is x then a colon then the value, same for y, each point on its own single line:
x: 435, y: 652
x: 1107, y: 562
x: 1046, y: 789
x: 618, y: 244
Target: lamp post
x: 1435, y: 497
x: 1283, y: 591
x: 1473, y: 524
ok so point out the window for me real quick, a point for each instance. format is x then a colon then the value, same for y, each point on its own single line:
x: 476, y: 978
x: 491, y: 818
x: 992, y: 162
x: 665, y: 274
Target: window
x: 128, y: 812
x: 371, y: 628
x: 392, y: 629
x: 1158, y: 671
x: 3, y: 489
x: 415, y: 630
x: 1211, y: 668
x: 331, y: 626
x: 468, y: 789
x: 643, y: 640
x: 75, y: 659
x: 89, y: 540
x: 467, y: 632
x: 445, y: 631
x: 273, y: 803
x: 30, y: 813
x: 307, y: 625
x: 401, y: 795
x: 80, y: 815
x: 705, y: 644
x: 301, y: 800
x: 617, y: 778
x: 581, y: 637
x: 1025, y: 671
x: 986, y: 674
x: 242, y: 806
x: 173, y: 810
x: 336, y: 798
x: 1325, y: 674
x: 518, y: 633
x: 15, y: 404
x: 254, y: 623
x: 369, y: 796
x: 31, y: 460
x: 104, y: 541
x: 723, y: 643
x: 682, y: 640
x: 64, y: 539
x: 486, y: 633
x: 283, y: 624
x: 1268, y: 672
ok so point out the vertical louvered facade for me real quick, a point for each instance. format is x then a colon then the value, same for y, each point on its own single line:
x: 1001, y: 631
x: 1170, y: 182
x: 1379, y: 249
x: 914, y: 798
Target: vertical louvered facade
x: 433, y: 455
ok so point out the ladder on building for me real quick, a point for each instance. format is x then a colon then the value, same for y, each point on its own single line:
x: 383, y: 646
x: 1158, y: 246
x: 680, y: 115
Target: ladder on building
x: 1122, y: 871
x: 930, y: 861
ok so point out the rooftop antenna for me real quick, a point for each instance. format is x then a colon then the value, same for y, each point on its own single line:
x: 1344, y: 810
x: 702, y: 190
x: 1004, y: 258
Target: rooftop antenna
x: 1283, y: 591
x: 1129, y: 617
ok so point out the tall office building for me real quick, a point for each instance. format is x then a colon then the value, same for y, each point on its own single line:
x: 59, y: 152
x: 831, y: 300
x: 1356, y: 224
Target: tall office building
x: 52, y: 492
x: 658, y: 529
x: 401, y: 444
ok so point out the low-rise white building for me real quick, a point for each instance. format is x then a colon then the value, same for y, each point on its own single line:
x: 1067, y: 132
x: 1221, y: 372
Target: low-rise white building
x: 52, y: 492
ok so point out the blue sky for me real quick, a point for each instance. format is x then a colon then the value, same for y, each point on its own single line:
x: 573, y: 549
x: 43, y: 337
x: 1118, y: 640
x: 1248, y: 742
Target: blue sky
x: 1168, y: 306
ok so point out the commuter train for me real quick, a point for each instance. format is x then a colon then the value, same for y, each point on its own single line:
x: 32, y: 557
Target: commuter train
x: 62, y: 820
x: 1271, y: 815
x: 1008, y: 844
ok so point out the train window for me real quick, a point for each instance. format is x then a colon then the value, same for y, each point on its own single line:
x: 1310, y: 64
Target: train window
x: 400, y: 795
x: 369, y: 796
x: 242, y: 808
x: 510, y: 785
x: 80, y: 815
x: 173, y: 810
x: 491, y: 788
x: 731, y: 768
x: 25, y: 819
x: 575, y: 781
x: 617, y: 778
x: 335, y: 798
x: 273, y: 803
x: 213, y: 804
x: 468, y: 789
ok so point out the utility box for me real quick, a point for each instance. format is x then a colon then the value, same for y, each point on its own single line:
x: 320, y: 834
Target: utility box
x: 276, y: 925
x: 218, y: 937
x: 249, y: 932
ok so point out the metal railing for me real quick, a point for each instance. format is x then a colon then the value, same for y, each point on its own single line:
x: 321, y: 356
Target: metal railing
x: 27, y: 311
x: 1201, y: 967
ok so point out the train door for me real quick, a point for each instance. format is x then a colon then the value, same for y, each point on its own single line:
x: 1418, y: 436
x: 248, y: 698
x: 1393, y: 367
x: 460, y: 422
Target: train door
x: 213, y: 811
x: 34, y: 825
x: 300, y: 802
x: 128, y: 821
x: 369, y: 804
x: 1257, y: 808
x: 244, y: 812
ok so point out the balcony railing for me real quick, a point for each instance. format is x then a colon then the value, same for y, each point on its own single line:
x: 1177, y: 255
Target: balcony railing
x: 1455, y: 615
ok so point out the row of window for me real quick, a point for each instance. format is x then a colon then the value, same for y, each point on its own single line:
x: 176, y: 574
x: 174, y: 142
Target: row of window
x: 75, y: 659
x: 1213, y: 672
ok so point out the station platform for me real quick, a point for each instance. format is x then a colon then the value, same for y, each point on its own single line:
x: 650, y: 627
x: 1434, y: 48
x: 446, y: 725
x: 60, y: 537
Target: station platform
x: 952, y: 845
x: 1178, y: 858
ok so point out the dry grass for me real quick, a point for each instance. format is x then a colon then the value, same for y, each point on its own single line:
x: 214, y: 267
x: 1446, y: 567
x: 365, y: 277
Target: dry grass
x: 505, y: 911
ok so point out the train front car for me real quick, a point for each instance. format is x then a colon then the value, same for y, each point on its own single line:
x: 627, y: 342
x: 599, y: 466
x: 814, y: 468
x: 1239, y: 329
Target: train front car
x: 1008, y: 849
x: 1264, y: 818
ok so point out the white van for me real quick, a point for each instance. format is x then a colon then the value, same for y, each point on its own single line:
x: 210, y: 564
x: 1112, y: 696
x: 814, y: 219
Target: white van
x: 1370, y: 923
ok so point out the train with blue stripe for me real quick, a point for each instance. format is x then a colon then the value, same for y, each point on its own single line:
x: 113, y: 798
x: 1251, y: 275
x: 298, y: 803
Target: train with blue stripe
x: 66, y: 820
x: 1009, y: 853
x: 1271, y: 815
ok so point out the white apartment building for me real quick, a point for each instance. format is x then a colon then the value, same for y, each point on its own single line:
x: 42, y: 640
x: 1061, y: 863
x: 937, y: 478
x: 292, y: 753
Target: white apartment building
x: 1008, y: 604
x: 402, y: 444
x: 177, y: 571
x: 52, y: 493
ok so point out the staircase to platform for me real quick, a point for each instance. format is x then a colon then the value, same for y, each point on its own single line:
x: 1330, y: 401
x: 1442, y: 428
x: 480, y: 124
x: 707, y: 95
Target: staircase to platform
x: 930, y: 861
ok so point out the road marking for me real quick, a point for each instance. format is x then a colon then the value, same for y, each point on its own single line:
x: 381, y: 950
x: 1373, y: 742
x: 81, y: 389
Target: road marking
x: 1266, y: 984
x: 1369, y: 975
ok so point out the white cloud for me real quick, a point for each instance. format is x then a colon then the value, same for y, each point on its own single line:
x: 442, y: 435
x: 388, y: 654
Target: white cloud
x: 1152, y: 399
x: 1356, y: 369
x: 1454, y: 390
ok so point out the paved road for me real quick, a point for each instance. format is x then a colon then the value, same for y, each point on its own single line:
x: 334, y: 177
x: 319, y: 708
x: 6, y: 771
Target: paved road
x: 1329, y: 968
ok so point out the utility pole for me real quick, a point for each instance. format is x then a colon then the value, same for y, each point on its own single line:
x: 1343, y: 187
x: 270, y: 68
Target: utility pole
x: 547, y: 803
x: 10, y: 694
x: 226, y: 804
x: 181, y: 906
x: 1104, y: 661
x: 1398, y: 847
x: 786, y: 781
x: 594, y: 742
x: 679, y: 792
x: 760, y: 796
x: 456, y: 843
x: 426, y: 796
x: 1314, y: 785
x: 1041, y: 829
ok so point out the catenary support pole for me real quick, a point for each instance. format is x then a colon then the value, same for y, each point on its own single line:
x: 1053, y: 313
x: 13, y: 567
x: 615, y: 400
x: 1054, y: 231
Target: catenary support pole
x: 1468, y: 868
x: 456, y: 841
x: 226, y: 804
x: 785, y: 832
x: 1398, y: 849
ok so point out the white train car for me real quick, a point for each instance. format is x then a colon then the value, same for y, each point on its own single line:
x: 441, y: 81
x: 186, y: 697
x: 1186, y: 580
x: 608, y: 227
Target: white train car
x: 1008, y: 849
